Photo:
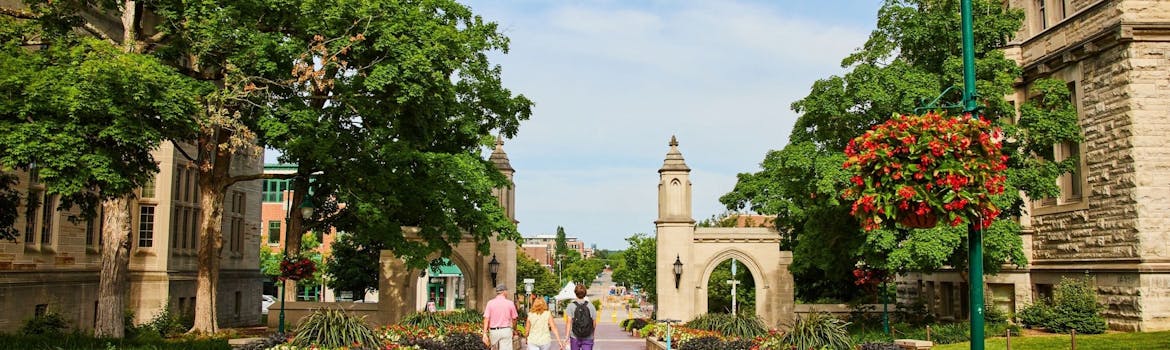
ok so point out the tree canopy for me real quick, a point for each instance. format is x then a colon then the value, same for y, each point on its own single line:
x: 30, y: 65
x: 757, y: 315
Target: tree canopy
x: 912, y: 56
x: 640, y: 270
x: 545, y: 282
x: 386, y: 104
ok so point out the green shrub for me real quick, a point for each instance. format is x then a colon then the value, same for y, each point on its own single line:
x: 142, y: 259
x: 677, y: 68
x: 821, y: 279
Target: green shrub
x: 994, y: 314
x: 739, y: 326
x: 951, y: 333
x: 1036, y: 315
x: 1074, y: 306
x: 817, y: 331
x: 334, y: 328
x: 169, y: 324
x: 596, y: 304
x: 442, y: 318
x: 914, y: 313
x: 49, y: 324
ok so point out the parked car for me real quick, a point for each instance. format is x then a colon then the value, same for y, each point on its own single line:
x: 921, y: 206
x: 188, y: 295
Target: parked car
x: 265, y: 302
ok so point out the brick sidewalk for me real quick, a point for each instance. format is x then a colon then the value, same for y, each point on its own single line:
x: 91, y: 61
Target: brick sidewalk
x: 609, y: 336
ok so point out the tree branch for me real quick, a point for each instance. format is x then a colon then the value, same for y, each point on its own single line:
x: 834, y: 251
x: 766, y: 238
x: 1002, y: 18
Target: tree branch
x: 18, y: 13
x: 182, y: 151
x: 89, y: 27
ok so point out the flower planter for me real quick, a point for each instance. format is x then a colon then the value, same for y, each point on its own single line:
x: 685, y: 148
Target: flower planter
x: 916, y: 170
x: 912, y: 219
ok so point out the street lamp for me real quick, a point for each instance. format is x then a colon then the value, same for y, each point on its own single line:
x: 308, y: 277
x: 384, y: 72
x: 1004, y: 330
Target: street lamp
x: 494, y: 268
x: 528, y: 292
x: 677, y: 270
x: 306, y: 213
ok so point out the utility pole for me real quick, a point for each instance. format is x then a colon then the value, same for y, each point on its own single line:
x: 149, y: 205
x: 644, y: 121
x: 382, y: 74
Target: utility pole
x: 974, y: 233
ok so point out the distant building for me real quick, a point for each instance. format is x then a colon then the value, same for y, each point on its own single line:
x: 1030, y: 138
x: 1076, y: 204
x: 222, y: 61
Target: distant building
x: 550, y: 244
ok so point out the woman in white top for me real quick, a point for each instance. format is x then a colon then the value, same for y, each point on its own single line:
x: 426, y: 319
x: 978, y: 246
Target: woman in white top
x: 539, y: 324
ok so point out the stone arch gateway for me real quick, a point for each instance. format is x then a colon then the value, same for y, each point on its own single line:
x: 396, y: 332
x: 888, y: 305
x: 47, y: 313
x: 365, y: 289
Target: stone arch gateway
x: 700, y: 249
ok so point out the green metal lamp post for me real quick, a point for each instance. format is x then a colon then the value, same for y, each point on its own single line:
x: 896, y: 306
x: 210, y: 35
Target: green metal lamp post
x: 974, y: 234
x: 306, y: 213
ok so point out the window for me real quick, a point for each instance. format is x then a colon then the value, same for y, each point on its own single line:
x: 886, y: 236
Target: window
x: 236, y: 221
x: 48, y: 213
x: 1042, y: 292
x: 1063, y: 9
x: 93, y: 228
x: 40, y: 310
x: 274, y: 190
x: 1070, y: 184
x: 145, y: 226
x: 148, y: 188
x: 1041, y: 14
x: 1003, y: 296
x: 238, y: 303
x: 30, y: 216
x: 274, y: 232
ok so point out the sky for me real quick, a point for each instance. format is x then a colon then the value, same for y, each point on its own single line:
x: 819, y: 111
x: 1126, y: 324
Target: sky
x: 612, y: 80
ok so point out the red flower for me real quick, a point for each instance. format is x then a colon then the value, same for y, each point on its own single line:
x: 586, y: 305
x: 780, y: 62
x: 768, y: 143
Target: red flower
x: 922, y: 159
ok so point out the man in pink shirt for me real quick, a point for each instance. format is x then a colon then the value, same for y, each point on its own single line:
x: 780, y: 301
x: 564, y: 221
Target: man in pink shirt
x: 499, y: 319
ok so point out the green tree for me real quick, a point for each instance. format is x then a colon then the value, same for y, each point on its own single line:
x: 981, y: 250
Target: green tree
x: 584, y: 271
x: 408, y: 104
x: 84, y: 114
x: 545, y: 282
x: 353, y: 263
x: 913, y: 54
x: 641, y: 257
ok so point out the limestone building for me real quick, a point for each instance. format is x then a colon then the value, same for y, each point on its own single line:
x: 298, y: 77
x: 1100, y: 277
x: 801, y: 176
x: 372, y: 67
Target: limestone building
x: 1112, y: 219
x: 53, y: 266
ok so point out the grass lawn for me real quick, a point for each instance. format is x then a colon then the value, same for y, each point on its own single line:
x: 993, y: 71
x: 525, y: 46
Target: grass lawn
x: 1114, y: 341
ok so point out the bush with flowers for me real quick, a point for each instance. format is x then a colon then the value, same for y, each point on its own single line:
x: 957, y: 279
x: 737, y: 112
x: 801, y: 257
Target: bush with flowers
x: 296, y: 268
x: 915, y: 168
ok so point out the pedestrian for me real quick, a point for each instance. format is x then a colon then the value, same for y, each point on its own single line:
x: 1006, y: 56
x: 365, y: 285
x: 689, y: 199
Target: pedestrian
x: 539, y: 324
x: 582, y: 323
x: 499, y: 319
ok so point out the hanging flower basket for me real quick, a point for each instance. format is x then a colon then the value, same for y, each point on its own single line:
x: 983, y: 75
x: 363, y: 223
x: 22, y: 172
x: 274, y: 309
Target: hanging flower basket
x: 914, y: 219
x: 917, y: 169
x: 296, y: 269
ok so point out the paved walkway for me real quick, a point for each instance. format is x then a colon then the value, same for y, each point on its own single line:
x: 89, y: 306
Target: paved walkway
x: 609, y: 336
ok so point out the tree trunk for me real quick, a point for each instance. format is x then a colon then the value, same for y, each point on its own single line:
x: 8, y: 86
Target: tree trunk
x: 295, y: 229
x: 114, y: 276
x: 210, y: 247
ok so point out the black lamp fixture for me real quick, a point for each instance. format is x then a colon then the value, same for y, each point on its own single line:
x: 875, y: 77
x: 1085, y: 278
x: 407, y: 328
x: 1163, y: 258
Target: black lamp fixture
x: 677, y: 270
x: 494, y: 268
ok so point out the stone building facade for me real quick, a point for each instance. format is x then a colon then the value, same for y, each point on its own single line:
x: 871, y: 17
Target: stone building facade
x: 53, y: 266
x: 1112, y: 219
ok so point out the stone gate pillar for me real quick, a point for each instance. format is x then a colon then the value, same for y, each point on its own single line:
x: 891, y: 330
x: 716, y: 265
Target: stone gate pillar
x: 675, y: 231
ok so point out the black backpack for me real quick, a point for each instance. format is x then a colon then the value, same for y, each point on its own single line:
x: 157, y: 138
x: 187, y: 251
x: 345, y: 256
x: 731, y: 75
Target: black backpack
x: 582, y: 321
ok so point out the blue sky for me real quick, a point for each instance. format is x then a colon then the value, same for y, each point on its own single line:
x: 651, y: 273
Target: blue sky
x: 614, y: 79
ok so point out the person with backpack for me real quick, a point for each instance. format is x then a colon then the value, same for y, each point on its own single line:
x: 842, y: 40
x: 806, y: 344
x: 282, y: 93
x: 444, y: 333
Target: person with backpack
x: 580, y: 329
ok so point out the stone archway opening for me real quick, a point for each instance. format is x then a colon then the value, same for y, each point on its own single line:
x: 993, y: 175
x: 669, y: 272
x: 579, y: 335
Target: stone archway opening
x: 724, y: 282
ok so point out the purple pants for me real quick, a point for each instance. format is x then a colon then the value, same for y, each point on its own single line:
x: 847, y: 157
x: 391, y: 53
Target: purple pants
x: 580, y: 344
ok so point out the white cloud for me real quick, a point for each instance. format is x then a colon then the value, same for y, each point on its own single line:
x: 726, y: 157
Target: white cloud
x: 613, y: 80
